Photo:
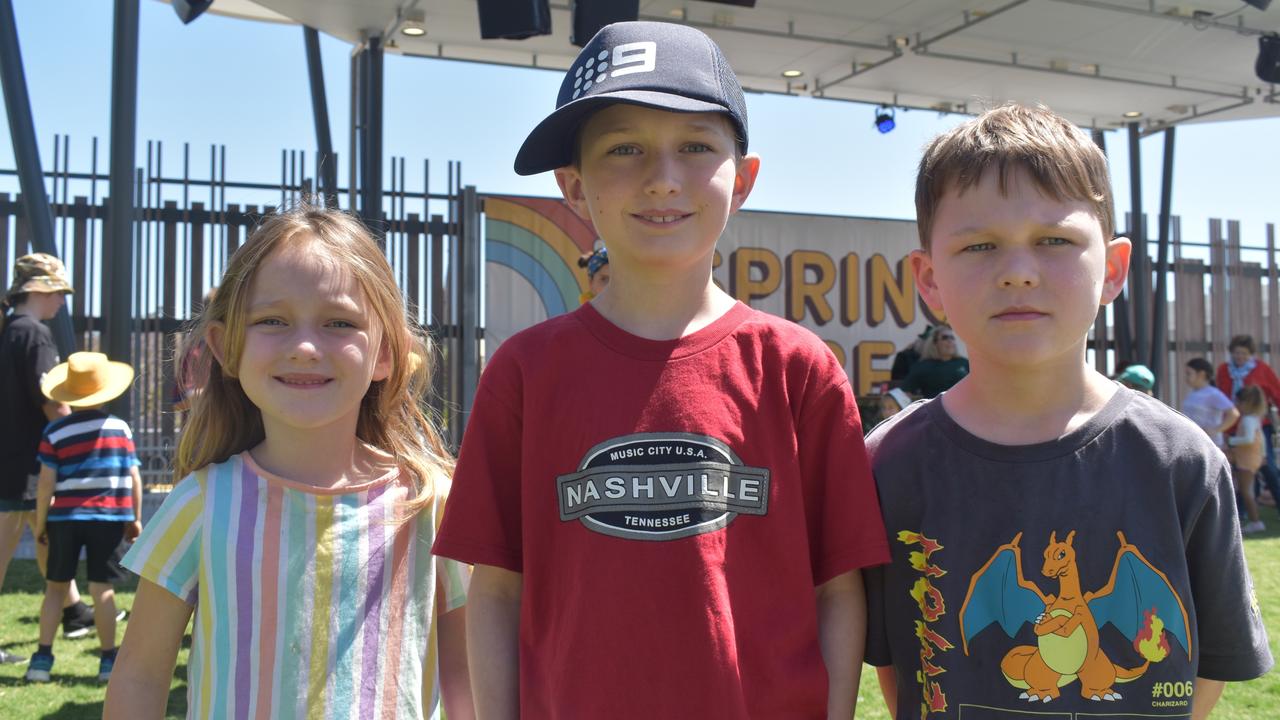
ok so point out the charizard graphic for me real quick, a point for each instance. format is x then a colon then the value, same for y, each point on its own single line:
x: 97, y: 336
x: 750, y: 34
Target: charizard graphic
x: 1138, y: 601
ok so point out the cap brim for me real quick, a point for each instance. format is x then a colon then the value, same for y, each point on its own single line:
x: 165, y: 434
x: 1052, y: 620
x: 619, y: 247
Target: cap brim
x: 550, y: 145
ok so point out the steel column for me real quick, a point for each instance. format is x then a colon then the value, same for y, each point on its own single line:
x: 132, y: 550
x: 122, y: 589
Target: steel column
x: 117, y: 282
x: 468, y: 304
x: 326, y: 166
x: 369, y: 134
x: 1140, y: 267
x: 22, y: 133
x: 1159, y: 349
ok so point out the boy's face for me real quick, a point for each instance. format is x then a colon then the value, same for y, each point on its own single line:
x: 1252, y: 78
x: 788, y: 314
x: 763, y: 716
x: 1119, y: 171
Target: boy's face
x: 658, y: 186
x: 1019, y: 275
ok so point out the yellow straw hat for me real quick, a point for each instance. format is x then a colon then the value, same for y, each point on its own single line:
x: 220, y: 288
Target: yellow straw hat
x: 86, y: 379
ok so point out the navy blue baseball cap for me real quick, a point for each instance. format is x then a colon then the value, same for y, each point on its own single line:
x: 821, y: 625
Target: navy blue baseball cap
x: 652, y: 64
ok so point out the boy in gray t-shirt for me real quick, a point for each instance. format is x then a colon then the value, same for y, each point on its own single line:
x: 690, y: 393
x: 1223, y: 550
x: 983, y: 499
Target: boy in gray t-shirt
x: 1062, y: 546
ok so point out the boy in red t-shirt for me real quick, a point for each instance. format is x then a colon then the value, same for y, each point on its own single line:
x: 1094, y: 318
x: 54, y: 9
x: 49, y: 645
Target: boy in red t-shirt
x: 665, y: 493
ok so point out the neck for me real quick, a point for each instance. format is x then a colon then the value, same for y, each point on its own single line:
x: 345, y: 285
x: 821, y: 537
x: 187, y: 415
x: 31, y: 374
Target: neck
x: 323, y: 457
x: 1022, y: 405
x: 663, y: 305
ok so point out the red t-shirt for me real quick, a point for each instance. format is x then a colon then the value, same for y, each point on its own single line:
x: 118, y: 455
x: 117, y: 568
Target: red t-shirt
x: 671, y: 505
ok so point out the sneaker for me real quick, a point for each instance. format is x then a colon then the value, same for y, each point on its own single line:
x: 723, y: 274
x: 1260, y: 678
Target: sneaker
x: 77, y: 621
x: 38, y: 670
x: 1256, y: 526
x: 8, y: 658
x: 105, y: 663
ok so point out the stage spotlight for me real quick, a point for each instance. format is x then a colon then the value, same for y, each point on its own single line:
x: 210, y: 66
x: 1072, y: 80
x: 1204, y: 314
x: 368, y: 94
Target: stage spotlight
x: 189, y: 10
x: 884, y: 119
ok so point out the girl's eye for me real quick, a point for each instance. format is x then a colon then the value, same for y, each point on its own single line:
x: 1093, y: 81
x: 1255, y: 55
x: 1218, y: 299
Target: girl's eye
x: 270, y: 321
x: 342, y: 324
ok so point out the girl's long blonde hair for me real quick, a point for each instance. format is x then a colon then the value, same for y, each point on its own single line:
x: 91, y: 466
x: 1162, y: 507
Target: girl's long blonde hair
x: 224, y: 422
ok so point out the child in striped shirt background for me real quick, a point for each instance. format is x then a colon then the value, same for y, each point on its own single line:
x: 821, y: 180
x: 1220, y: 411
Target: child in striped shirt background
x: 89, y: 496
x: 311, y: 488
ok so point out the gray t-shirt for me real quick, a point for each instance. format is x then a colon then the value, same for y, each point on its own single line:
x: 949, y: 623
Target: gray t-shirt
x: 1132, y: 577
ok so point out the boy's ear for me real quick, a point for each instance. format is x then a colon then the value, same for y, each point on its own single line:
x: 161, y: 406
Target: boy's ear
x: 922, y: 269
x: 215, y: 337
x: 569, y: 178
x: 744, y: 179
x: 1119, y: 251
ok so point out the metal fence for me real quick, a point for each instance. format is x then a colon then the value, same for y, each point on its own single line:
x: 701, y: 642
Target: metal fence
x: 186, y: 226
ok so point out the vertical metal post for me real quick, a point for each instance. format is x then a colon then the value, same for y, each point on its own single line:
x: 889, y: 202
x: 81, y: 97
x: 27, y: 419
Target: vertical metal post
x: 22, y: 132
x: 1139, y: 270
x: 1120, y: 306
x: 326, y: 168
x: 469, y: 304
x: 370, y: 134
x: 1159, y: 349
x: 117, y: 308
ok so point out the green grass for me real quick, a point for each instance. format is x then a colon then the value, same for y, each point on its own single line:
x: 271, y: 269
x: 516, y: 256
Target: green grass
x: 75, y: 693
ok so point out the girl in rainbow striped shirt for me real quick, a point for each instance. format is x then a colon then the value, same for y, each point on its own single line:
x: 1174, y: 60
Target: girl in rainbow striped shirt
x: 311, y: 488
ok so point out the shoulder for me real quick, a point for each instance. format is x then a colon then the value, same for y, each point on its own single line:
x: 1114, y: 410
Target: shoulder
x: 790, y: 343
x: 900, y: 432
x: 1148, y: 427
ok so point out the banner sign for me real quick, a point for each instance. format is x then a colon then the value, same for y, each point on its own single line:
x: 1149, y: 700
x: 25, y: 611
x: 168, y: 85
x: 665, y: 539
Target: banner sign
x: 846, y: 279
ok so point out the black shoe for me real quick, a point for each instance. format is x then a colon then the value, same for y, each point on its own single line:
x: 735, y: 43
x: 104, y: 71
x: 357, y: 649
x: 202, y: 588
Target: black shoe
x: 77, y: 621
x: 8, y: 658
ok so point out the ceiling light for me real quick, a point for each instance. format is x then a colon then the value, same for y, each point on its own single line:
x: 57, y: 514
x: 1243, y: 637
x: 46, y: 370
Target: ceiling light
x: 792, y: 73
x: 902, y: 41
x: 1133, y: 114
x: 884, y: 119
x: 414, y: 23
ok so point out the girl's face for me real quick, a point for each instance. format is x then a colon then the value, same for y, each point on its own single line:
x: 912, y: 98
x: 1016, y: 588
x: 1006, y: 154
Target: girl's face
x: 888, y: 406
x: 600, y: 280
x: 312, y: 345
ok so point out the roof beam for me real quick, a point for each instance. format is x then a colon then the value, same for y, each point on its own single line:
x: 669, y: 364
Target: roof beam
x: 1239, y: 27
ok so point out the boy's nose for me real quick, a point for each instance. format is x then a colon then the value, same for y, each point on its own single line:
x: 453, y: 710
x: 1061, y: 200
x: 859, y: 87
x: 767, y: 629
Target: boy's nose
x: 663, y: 176
x: 1018, y: 269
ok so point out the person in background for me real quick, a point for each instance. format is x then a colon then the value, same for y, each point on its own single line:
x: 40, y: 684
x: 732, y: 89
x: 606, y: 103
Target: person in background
x: 1246, y: 451
x: 940, y: 367
x: 892, y: 402
x: 597, y: 264
x: 908, y: 357
x: 1205, y: 404
x: 1245, y: 368
x: 27, y: 352
x: 1137, y: 377
x: 89, y: 498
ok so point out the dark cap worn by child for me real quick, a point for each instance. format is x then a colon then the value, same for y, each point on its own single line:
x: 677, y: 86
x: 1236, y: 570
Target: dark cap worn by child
x: 652, y: 64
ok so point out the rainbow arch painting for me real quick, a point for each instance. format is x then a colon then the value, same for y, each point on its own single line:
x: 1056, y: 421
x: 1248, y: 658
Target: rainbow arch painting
x: 540, y: 240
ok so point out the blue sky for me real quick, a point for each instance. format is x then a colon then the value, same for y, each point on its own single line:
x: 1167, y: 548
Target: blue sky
x: 244, y: 84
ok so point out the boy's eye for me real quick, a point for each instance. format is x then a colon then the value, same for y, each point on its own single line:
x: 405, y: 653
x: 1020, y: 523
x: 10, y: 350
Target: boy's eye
x: 697, y: 147
x: 624, y: 150
x: 1055, y: 241
x: 978, y: 247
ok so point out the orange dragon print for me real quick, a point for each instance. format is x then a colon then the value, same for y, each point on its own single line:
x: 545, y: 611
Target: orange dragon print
x: 1138, y: 601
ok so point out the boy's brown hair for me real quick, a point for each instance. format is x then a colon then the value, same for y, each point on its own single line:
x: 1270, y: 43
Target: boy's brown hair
x: 1062, y: 161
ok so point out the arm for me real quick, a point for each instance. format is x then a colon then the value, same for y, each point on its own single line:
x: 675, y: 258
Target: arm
x: 888, y: 688
x: 1231, y: 417
x: 44, y: 496
x: 139, y: 686
x: 842, y: 633
x: 493, y: 642
x: 134, y: 529
x: 455, y: 680
x: 1204, y: 697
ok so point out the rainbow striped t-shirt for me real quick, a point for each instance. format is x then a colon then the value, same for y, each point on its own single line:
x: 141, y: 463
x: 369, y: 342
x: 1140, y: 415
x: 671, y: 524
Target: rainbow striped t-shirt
x: 309, y: 603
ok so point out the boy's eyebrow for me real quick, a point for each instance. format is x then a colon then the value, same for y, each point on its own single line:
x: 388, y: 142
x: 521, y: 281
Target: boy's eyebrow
x: 1059, y: 224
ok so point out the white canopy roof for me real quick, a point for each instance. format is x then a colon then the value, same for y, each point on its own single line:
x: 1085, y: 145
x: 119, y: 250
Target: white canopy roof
x: 1091, y: 60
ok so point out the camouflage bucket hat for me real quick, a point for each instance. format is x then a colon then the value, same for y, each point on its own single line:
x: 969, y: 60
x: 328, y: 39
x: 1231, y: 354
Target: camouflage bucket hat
x: 39, y: 272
